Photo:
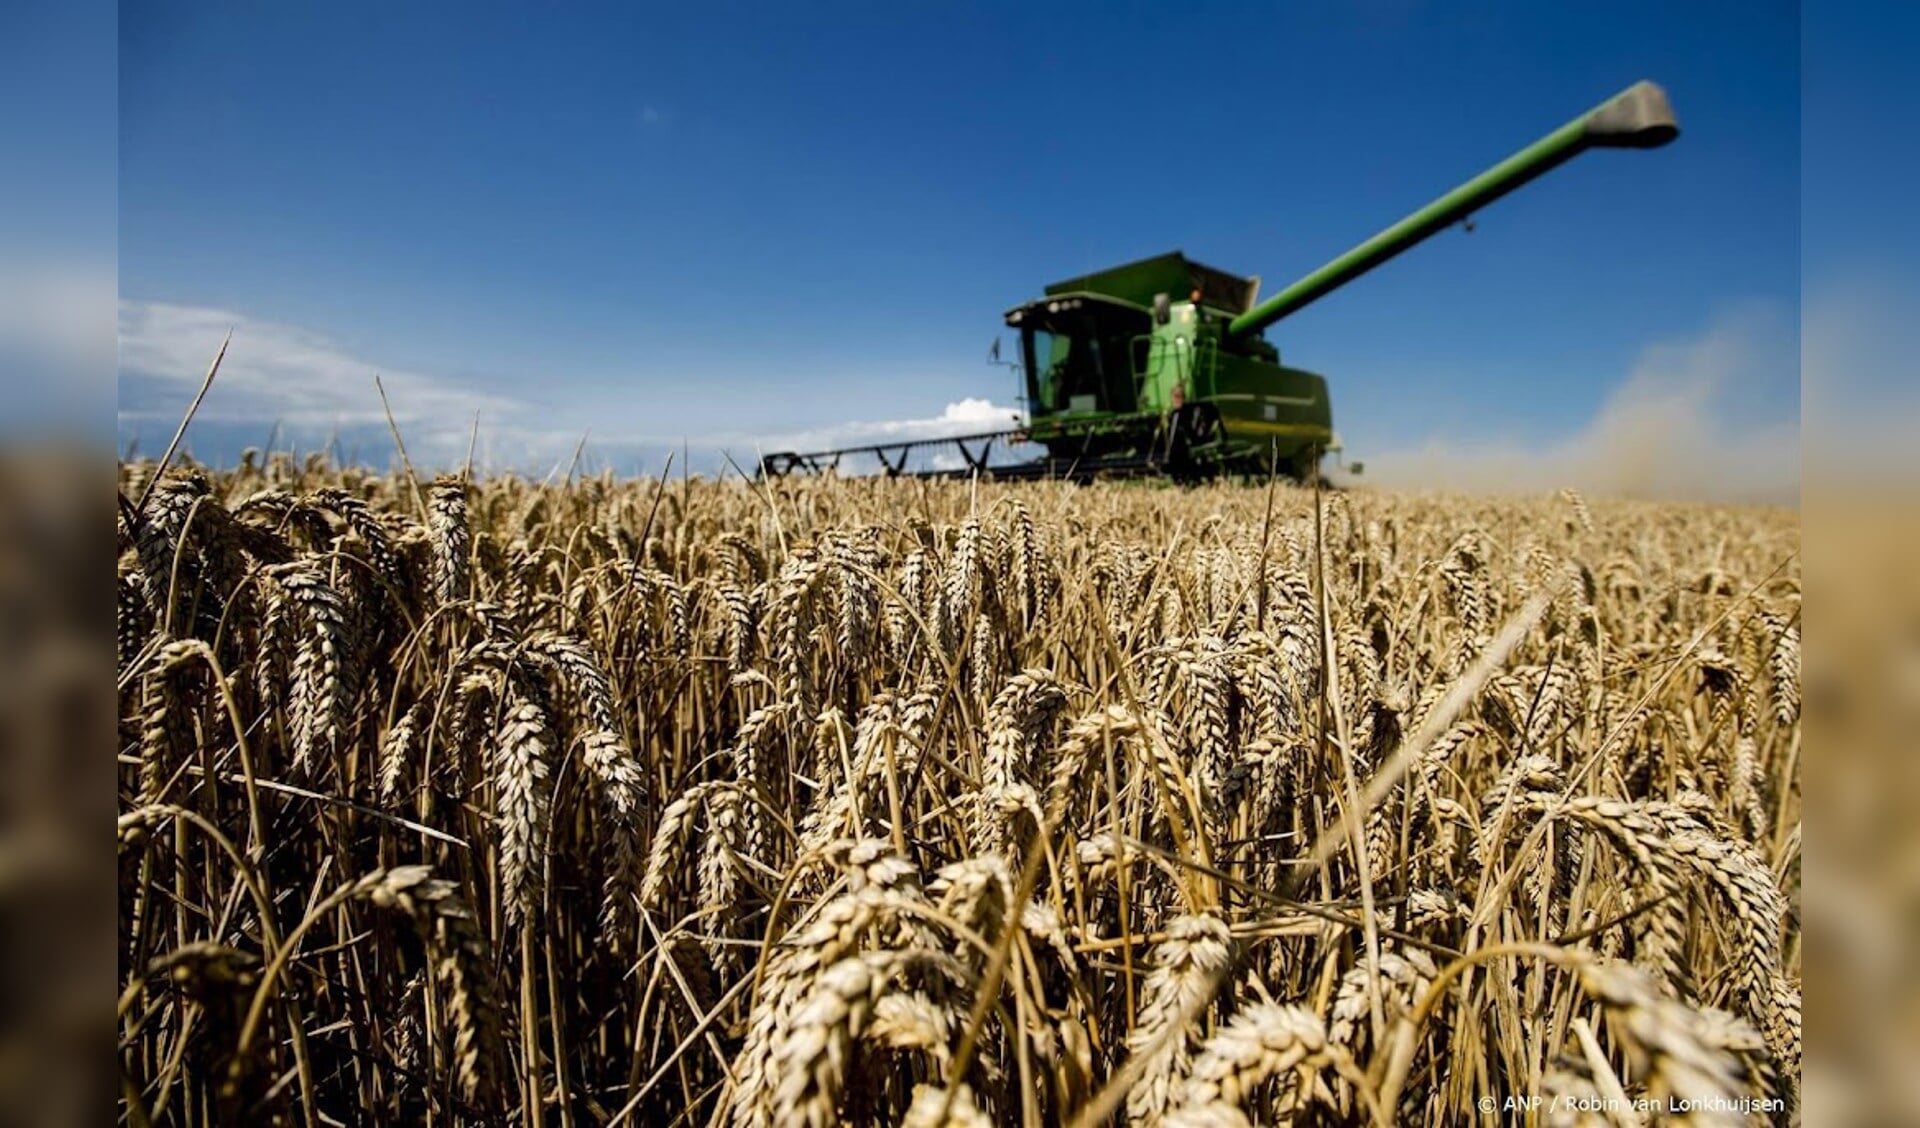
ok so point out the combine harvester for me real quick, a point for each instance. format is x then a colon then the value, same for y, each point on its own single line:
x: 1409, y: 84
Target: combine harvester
x: 1161, y: 367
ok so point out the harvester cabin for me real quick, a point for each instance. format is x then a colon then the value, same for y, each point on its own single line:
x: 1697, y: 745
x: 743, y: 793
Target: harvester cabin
x: 1087, y: 345
x: 1078, y: 354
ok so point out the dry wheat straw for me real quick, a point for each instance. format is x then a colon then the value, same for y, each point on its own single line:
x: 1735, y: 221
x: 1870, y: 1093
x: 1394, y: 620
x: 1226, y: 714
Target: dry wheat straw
x: 681, y: 753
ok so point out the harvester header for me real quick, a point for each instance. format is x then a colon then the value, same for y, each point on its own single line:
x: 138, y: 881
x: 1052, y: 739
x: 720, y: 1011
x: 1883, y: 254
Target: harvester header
x: 1160, y: 367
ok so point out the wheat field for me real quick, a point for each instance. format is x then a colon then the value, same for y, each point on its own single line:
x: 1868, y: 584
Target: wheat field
x: 823, y: 801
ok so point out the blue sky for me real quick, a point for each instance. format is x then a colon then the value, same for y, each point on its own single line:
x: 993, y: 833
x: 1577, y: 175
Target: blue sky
x: 58, y: 201
x: 719, y: 223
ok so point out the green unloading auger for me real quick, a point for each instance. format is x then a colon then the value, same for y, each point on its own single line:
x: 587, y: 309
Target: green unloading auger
x: 1636, y: 118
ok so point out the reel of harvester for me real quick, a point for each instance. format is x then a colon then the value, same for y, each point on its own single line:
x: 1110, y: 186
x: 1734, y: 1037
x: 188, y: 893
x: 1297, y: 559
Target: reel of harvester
x: 1182, y: 443
x: 1161, y: 368
x: 893, y: 457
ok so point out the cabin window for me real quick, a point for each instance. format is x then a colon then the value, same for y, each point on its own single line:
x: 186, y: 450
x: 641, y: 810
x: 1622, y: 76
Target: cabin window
x: 1046, y: 354
x: 1083, y: 363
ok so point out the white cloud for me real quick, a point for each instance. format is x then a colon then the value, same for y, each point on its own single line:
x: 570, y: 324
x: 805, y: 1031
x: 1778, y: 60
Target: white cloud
x: 278, y: 373
x: 1670, y: 430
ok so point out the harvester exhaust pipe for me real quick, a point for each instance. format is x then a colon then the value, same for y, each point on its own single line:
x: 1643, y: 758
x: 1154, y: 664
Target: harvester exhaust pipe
x: 1636, y: 118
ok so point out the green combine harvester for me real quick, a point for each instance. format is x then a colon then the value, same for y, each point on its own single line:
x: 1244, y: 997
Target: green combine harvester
x: 1161, y: 367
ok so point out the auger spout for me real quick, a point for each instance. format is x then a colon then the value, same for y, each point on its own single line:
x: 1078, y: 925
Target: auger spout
x: 1636, y: 118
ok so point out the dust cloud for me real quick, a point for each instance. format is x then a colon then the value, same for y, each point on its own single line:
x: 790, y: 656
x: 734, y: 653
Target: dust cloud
x: 1675, y: 429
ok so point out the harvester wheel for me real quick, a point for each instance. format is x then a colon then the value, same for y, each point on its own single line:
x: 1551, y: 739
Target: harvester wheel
x: 1194, y: 426
x: 1306, y: 468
